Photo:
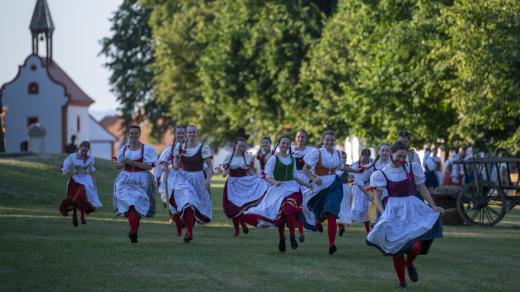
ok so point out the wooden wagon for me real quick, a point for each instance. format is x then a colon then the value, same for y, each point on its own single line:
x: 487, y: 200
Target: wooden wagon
x: 491, y: 188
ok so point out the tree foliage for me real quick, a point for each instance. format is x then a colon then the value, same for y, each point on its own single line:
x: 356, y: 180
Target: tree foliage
x: 130, y: 57
x: 445, y: 70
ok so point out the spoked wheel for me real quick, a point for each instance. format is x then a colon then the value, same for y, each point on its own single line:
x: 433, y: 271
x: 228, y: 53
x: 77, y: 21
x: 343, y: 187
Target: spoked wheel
x: 483, y: 204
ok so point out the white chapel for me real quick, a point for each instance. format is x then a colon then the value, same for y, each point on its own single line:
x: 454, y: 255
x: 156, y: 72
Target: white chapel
x: 43, y: 96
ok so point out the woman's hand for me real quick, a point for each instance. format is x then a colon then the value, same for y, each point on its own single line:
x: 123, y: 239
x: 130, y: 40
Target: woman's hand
x: 276, y: 183
x: 438, y: 209
x: 317, y: 180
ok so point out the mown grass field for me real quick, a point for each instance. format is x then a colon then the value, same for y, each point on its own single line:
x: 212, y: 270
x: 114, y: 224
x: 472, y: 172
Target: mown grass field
x: 41, y: 250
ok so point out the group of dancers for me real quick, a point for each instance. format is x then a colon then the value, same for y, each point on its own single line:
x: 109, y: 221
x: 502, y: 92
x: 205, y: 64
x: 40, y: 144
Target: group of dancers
x: 289, y: 186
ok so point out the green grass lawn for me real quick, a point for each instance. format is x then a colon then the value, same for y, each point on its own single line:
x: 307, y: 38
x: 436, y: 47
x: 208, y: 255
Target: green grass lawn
x: 41, y: 250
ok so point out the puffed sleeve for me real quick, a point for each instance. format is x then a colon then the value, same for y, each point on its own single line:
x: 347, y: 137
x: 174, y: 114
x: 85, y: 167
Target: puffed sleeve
x: 250, y: 160
x: 360, y: 178
x: 67, y: 163
x: 119, y: 155
x: 206, y: 152
x: 269, y: 167
x: 418, y: 174
x: 227, y: 160
x: 165, y: 155
x: 311, y: 159
x: 92, y: 165
x: 150, y: 156
x: 377, y: 180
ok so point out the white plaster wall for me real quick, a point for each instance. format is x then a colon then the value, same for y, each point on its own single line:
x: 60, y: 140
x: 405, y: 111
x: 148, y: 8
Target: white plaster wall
x: 46, y: 105
x: 101, y: 150
x: 84, y: 132
x: 97, y: 132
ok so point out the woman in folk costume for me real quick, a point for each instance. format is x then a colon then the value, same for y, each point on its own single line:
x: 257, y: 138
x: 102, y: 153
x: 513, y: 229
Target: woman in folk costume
x: 429, y: 170
x: 382, y: 160
x: 264, y: 153
x: 299, y: 151
x: 81, y: 188
x: 324, y: 202
x: 191, y: 196
x: 281, y: 203
x: 407, y: 225
x: 134, y: 187
x: 345, y: 212
x: 361, y: 197
x: 243, y: 188
x: 169, y: 174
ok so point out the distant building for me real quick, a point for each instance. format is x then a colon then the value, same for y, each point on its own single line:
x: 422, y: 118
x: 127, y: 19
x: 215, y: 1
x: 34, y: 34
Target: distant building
x: 42, y: 92
x: 114, y: 124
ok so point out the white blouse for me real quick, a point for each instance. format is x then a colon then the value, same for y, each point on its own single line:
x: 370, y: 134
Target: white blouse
x: 301, y: 153
x: 328, y: 160
x: 238, y: 161
x: 72, y: 161
x: 150, y: 156
x: 165, y: 155
x: 395, y: 174
x: 271, y: 163
x: 206, y: 151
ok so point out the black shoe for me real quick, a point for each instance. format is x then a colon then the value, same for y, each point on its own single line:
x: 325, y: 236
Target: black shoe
x: 132, y: 236
x: 402, y: 285
x: 281, y: 245
x: 332, y: 249
x: 294, y: 243
x: 83, y: 221
x: 341, y: 231
x: 319, y: 227
x: 75, y: 221
x: 188, y: 237
x: 245, y: 229
x: 412, y: 273
x: 301, y: 238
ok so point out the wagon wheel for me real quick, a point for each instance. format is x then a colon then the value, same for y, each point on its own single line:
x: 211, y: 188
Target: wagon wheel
x: 483, y: 204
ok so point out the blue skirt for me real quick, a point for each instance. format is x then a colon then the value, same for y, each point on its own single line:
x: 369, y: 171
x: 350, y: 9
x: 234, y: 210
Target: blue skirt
x: 431, y: 179
x: 426, y: 241
x: 327, y: 201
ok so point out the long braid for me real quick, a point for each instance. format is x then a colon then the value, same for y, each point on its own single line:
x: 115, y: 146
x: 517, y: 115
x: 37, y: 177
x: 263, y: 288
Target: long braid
x: 173, y: 148
x: 232, y: 155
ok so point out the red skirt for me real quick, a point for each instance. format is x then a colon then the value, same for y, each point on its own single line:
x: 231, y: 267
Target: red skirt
x: 291, y: 206
x: 76, y: 198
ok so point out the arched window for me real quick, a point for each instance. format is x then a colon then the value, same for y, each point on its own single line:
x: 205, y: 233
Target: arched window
x: 33, y: 88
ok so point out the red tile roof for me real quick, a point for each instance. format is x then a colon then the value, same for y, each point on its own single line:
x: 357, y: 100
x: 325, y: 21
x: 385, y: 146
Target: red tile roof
x: 114, y: 124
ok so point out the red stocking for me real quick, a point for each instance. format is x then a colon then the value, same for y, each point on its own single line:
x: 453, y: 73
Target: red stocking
x: 367, y: 226
x: 300, y: 227
x: 332, y: 229
x: 291, y: 222
x: 189, y: 221
x: 133, y: 219
x: 413, y: 253
x: 236, y: 225
x: 399, y: 264
x: 281, y: 231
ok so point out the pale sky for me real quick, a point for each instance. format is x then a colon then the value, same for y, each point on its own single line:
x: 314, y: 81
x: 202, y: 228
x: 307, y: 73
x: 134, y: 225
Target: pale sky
x: 79, y: 25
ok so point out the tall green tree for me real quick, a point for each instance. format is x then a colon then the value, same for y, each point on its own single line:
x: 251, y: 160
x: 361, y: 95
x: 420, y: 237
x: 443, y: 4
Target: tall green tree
x: 375, y: 71
x: 177, y: 30
x: 251, y: 63
x: 130, y: 55
x: 484, y: 49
